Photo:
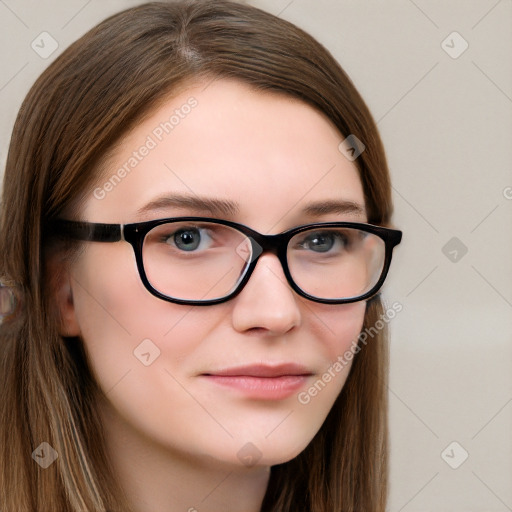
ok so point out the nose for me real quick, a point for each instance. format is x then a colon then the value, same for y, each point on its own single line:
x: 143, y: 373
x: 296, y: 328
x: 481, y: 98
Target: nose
x: 267, y: 302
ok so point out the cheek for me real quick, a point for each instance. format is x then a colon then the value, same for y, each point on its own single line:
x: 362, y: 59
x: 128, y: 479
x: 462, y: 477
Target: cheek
x: 141, y: 349
x: 338, y: 326
x: 337, y: 330
x: 122, y: 325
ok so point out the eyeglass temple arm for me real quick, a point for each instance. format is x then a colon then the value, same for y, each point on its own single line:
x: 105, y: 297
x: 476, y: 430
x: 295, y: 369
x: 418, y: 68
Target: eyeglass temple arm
x: 87, y: 231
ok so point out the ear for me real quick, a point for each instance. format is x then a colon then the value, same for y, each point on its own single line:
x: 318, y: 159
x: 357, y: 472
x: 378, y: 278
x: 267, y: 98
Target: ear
x: 62, y: 298
x: 68, y: 323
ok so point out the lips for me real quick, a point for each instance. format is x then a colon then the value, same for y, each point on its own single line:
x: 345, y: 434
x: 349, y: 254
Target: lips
x: 260, y: 370
x: 261, y: 382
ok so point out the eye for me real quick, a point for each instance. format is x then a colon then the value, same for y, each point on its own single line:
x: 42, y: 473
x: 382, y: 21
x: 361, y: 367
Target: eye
x: 189, y: 239
x: 323, y: 241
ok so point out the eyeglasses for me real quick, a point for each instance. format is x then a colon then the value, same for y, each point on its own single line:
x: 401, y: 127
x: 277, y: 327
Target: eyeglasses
x: 204, y: 261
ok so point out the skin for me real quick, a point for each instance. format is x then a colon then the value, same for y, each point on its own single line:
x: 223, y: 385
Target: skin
x: 173, y: 438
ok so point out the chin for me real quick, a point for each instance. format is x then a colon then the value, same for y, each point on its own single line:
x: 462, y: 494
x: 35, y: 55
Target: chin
x: 270, y: 452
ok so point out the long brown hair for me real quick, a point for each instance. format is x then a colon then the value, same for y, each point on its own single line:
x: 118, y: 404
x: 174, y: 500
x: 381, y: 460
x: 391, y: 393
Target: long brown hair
x: 77, y: 110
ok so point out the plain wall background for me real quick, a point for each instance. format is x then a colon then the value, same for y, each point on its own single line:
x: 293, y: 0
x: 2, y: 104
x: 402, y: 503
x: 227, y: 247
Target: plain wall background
x: 446, y: 122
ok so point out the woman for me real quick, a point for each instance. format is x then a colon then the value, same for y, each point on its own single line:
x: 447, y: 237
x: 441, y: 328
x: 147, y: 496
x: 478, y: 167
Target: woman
x: 194, y: 213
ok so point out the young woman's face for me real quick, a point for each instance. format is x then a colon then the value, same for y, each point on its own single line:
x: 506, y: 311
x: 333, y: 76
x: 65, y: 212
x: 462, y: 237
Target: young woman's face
x: 270, y: 157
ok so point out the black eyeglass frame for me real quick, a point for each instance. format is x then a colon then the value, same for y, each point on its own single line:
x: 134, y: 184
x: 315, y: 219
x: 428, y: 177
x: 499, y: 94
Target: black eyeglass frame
x: 277, y: 244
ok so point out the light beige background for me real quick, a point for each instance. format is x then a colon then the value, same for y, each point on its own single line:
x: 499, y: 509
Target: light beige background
x: 447, y: 127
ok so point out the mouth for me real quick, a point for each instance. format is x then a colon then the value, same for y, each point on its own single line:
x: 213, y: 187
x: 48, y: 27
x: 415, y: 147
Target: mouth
x: 263, y: 382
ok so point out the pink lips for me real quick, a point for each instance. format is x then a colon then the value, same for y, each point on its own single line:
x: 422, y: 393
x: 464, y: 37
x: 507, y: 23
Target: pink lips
x: 262, y: 382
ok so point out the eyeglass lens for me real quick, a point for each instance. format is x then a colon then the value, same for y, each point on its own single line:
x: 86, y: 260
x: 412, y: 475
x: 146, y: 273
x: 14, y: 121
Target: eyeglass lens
x: 205, y: 261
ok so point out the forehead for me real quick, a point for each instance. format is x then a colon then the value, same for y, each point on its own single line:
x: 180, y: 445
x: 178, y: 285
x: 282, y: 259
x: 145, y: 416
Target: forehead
x: 268, y: 153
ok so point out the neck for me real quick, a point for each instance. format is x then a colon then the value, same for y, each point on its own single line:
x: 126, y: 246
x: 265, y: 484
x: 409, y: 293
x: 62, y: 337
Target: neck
x: 158, y: 478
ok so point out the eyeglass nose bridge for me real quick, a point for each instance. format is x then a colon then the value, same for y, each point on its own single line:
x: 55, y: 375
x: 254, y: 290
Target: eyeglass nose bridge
x: 260, y: 244
x: 263, y: 244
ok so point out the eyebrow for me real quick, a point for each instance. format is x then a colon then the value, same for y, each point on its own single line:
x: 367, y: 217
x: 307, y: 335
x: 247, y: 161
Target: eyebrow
x: 333, y: 206
x: 212, y: 206
x: 226, y: 207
